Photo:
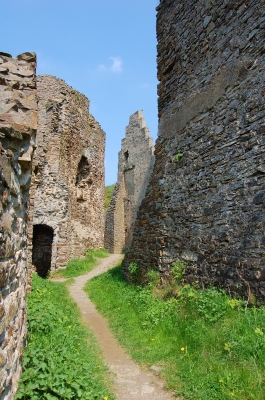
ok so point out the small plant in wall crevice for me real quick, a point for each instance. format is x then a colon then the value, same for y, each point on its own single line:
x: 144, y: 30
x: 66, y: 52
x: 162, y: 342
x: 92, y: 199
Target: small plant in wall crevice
x: 177, y: 157
x: 134, y: 271
x: 133, y: 268
x: 178, y: 270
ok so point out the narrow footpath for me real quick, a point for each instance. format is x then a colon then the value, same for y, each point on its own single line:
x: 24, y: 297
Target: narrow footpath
x: 130, y: 382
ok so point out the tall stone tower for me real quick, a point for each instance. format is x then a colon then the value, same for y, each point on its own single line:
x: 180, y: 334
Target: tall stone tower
x: 135, y: 164
x: 67, y: 191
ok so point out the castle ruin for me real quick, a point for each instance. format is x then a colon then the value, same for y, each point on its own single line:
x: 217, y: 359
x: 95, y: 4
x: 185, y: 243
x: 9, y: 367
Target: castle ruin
x: 67, y: 190
x: 134, y: 168
x: 205, y: 200
x: 205, y: 203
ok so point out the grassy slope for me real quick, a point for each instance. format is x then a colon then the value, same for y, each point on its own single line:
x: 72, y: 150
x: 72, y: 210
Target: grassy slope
x: 77, y: 267
x: 62, y: 360
x: 209, y: 346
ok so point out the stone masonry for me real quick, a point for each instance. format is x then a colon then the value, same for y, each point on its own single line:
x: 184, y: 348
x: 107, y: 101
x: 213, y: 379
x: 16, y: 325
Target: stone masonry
x: 18, y: 124
x: 67, y: 192
x: 134, y: 169
x: 205, y: 203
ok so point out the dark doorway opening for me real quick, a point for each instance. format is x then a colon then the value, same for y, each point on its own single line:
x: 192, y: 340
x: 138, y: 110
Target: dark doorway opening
x: 42, y: 249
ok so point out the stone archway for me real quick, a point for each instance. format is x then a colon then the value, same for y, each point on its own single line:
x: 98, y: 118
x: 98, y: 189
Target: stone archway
x: 42, y: 249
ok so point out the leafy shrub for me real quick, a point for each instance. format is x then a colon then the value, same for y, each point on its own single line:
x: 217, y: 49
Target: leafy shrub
x: 134, y: 271
x: 178, y: 270
x: 133, y: 268
x: 108, y: 194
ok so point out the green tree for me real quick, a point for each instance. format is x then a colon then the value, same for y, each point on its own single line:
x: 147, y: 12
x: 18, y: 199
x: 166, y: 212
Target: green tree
x: 108, y: 194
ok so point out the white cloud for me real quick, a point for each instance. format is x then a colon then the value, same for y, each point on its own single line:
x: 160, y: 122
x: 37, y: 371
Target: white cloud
x: 115, y: 67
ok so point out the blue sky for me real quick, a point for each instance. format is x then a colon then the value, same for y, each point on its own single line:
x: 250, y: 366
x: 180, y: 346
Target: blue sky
x: 106, y: 49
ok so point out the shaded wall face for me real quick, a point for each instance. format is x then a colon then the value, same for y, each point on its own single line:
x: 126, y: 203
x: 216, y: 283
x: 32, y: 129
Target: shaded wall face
x: 129, y: 203
x: 67, y: 192
x: 205, y: 202
x: 18, y: 123
x: 114, y: 239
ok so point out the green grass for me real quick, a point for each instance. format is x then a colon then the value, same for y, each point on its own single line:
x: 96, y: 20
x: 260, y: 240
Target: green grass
x: 208, y: 345
x: 108, y: 194
x: 62, y: 360
x: 81, y: 266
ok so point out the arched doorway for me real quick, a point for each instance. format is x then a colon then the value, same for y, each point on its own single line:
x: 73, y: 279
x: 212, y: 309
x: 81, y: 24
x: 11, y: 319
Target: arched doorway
x: 42, y: 249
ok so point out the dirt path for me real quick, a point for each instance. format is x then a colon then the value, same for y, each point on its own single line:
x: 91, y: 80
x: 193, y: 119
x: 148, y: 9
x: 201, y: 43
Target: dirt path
x: 131, y: 383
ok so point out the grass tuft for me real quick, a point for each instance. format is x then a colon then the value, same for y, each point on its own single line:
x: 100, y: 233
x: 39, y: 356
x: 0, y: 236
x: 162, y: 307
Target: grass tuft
x: 62, y: 359
x: 208, y: 345
x: 81, y: 266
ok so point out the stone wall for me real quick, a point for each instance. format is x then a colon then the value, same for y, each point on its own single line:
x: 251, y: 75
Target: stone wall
x: 205, y: 204
x: 67, y: 192
x: 134, y: 169
x: 114, y: 239
x: 18, y: 124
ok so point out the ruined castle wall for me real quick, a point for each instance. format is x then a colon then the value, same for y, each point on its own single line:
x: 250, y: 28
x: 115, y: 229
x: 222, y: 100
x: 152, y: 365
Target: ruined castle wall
x: 205, y: 203
x: 114, y: 223
x: 18, y: 124
x: 67, y: 193
x: 134, y: 169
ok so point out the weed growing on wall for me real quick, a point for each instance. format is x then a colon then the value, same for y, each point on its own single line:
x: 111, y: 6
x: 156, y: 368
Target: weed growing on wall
x: 61, y: 360
x: 177, y: 157
x: 81, y: 266
x: 134, y: 271
x: 208, y: 345
x: 178, y: 270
